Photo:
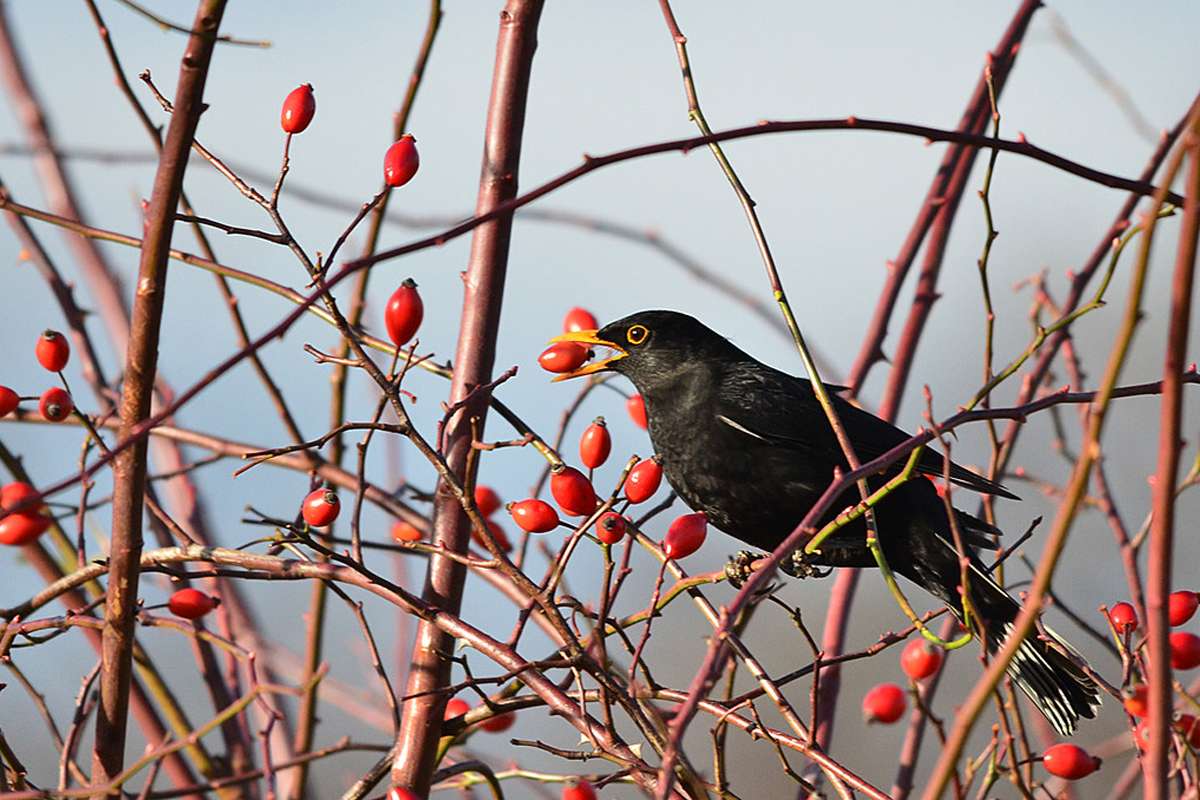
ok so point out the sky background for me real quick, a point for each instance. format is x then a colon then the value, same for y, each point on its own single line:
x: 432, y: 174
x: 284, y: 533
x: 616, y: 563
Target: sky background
x: 835, y: 206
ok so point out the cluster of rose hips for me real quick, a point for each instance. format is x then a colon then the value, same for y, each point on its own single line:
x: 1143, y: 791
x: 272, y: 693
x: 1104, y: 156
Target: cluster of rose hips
x: 23, y: 517
x: 573, y: 491
x: 920, y: 659
x: 53, y: 352
x: 1185, y: 654
x: 885, y: 703
x: 563, y: 357
x: 400, y: 162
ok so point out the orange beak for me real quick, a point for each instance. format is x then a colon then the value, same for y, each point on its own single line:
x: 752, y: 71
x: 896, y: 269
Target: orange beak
x: 589, y: 339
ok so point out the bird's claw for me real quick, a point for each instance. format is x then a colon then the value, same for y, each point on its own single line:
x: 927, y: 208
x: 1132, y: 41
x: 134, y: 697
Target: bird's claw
x: 741, y: 567
x: 800, y: 565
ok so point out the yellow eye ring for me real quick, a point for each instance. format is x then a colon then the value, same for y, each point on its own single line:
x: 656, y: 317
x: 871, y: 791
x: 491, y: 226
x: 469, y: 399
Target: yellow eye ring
x: 637, y: 334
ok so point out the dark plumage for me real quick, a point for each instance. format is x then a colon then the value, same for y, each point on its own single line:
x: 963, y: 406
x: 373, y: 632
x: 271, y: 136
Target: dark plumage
x: 750, y: 446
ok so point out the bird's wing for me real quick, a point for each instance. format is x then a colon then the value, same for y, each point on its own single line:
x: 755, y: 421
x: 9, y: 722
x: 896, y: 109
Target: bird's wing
x: 782, y: 411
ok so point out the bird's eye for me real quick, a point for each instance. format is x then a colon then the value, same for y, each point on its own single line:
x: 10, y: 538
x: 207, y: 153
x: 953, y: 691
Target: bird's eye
x: 637, y: 334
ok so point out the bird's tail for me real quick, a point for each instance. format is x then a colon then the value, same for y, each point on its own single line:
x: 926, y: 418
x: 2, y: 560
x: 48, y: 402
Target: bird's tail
x: 1046, y: 674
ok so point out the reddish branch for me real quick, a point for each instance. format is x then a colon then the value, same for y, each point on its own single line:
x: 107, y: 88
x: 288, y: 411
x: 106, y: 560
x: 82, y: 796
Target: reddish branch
x: 317, y: 603
x: 937, y: 211
x: 592, y: 163
x: 429, y: 667
x: 1081, y: 279
x: 941, y: 194
x: 129, y: 467
x: 1158, y: 651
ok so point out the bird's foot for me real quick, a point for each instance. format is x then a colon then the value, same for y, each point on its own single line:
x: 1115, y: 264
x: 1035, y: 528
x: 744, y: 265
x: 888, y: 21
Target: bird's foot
x: 741, y: 566
x: 800, y: 565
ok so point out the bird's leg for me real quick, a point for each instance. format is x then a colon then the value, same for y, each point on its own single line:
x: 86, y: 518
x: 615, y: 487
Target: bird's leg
x: 800, y: 565
x: 741, y: 566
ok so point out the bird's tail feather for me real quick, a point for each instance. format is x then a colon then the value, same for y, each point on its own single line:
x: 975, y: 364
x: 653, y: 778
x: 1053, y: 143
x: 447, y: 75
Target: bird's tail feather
x: 1046, y: 674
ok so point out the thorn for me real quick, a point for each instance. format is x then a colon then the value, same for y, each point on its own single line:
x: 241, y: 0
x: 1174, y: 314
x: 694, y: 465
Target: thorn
x: 1021, y: 138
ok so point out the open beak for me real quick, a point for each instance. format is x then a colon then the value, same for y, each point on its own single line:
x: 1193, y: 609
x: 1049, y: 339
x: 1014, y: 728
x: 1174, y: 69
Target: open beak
x: 589, y: 339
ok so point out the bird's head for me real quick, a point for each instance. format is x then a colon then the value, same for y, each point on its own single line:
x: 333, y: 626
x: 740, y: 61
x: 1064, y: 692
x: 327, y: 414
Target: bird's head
x: 649, y: 346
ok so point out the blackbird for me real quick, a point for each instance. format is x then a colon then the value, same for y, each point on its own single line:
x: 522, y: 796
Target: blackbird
x: 751, y: 447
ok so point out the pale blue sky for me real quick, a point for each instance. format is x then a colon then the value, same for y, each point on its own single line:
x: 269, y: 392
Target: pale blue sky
x: 835, y: 206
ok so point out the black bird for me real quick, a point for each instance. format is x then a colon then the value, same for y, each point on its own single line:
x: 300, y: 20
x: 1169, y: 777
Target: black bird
x: 751, y: 447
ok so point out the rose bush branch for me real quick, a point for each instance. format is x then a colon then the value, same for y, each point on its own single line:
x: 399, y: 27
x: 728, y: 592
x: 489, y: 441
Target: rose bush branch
x: 129, y: 467
x: 973, y: 120
x: 1162, y: 531
x: 416, y: 744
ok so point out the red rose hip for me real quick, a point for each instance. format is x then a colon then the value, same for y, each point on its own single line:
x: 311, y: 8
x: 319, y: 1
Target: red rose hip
x: 24, y: 520
x: 595, y: 444
x: 499, y: 723
x: 1141, y: 736
x: 456, y: 707
x: 321, y: 507
x: 404, y: 313
x: 1069, y: 761
x: 405, y: 532
x: 534, y: 516
x: 487, y: 500
x: 920, y: 659
x: 885, y: 703
x: 636, y: 406
x: 611, y: 527
x: 400, y: 793
x: 1180, y: 606
x: 563, y: 357
x: 579, y: 319
x: 1135, y: 700
x: 298, y: 109
x: 1189, y: 728
x: 580, y: 790
x: 1185, y: 650
x: 643, y: 480
x: 191, y: 603
x: 55, y: 405
x: 401, y: 161
x: 573, y: 492
x: 1123, y: 618
x: 685, y: 536
x: 52, y: 351
x: 9, y: 400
